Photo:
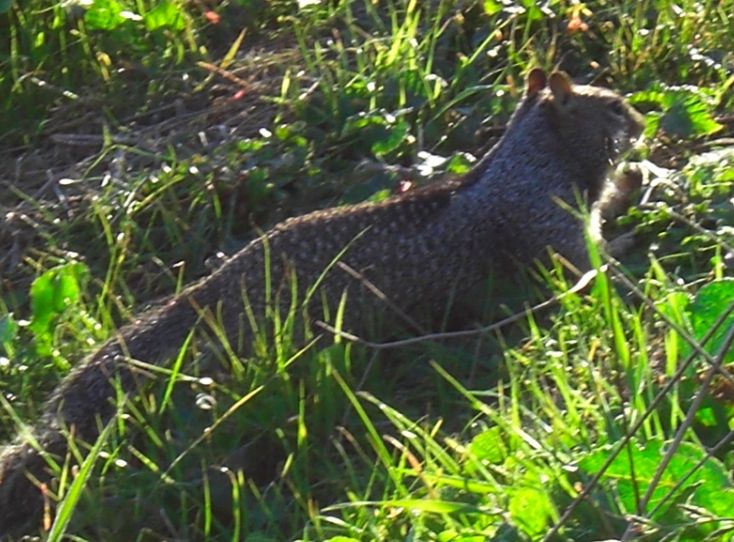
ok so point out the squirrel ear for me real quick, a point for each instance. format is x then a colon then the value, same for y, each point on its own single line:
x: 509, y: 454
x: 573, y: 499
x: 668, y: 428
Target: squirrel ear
x: 535, y: 81
x: 561, y: 87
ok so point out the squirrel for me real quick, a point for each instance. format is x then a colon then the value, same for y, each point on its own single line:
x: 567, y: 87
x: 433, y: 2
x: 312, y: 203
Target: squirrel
x: 510, y: 210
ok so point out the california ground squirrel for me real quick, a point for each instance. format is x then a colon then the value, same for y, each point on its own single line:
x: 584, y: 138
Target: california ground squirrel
x: 558, y: 147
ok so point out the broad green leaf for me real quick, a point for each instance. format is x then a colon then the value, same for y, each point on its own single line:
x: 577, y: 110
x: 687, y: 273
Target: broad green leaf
x: 51, y: 295
x: 104, y: 15
x: 720, y: 503
x: 685, y: 112
x: 488, y: 446
x: 258, y: 184
x: 380, y: 195
x: 652, y: 97
x: 491, y: 7
x: 166, y: 14
x: 530, y: 509
x: 396, y: 135
x: 251, y: 145
x: 5, y: 5
x: 460, y: 163
x: 362, y: 120
x: 632, y: 471
x: 652, y: 124
x: 709, y: 304
x: 533, y: 11
x: 688, y: 116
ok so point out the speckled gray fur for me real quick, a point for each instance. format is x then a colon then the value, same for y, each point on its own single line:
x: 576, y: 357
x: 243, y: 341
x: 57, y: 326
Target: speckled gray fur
x: 417, y: 248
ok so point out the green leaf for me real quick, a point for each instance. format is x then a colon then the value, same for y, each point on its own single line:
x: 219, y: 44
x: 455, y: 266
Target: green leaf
x: 530, y: 509
x: 258, y: 185
x: 104, y: 15
x: 396, y: 135
x: 533, y: 11
x: 51, y: 295
x: 460, y: 163
x: 5, y: 5
x: 364, y: 120
x: 632, y: 471
x: 688, y: 116
x: 652, y: 97
x: 652, y: 124
x: 709, y: 304
x: 685, y: 112
x: 720, y: 502
x: 489, y: 447
x: 492, y: 7
x: 251, y: 145
x: 380, y: 195
x: 165, y: 14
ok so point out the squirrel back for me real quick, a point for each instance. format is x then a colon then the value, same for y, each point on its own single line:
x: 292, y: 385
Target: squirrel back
x: 414, y: 248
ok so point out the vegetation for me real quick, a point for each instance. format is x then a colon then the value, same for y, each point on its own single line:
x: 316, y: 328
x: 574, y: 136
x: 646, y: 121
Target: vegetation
x: 140, y: 138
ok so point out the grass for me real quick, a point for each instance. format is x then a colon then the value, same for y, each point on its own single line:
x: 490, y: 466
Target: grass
x: 142, y: 138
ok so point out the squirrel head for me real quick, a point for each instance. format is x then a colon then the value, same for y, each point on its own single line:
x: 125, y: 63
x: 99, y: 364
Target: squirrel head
x: 591, y: 126
x: 591, y: 123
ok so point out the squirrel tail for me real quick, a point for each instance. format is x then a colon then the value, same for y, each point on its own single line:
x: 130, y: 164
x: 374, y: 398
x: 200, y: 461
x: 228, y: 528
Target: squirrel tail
x: 80, y: 406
